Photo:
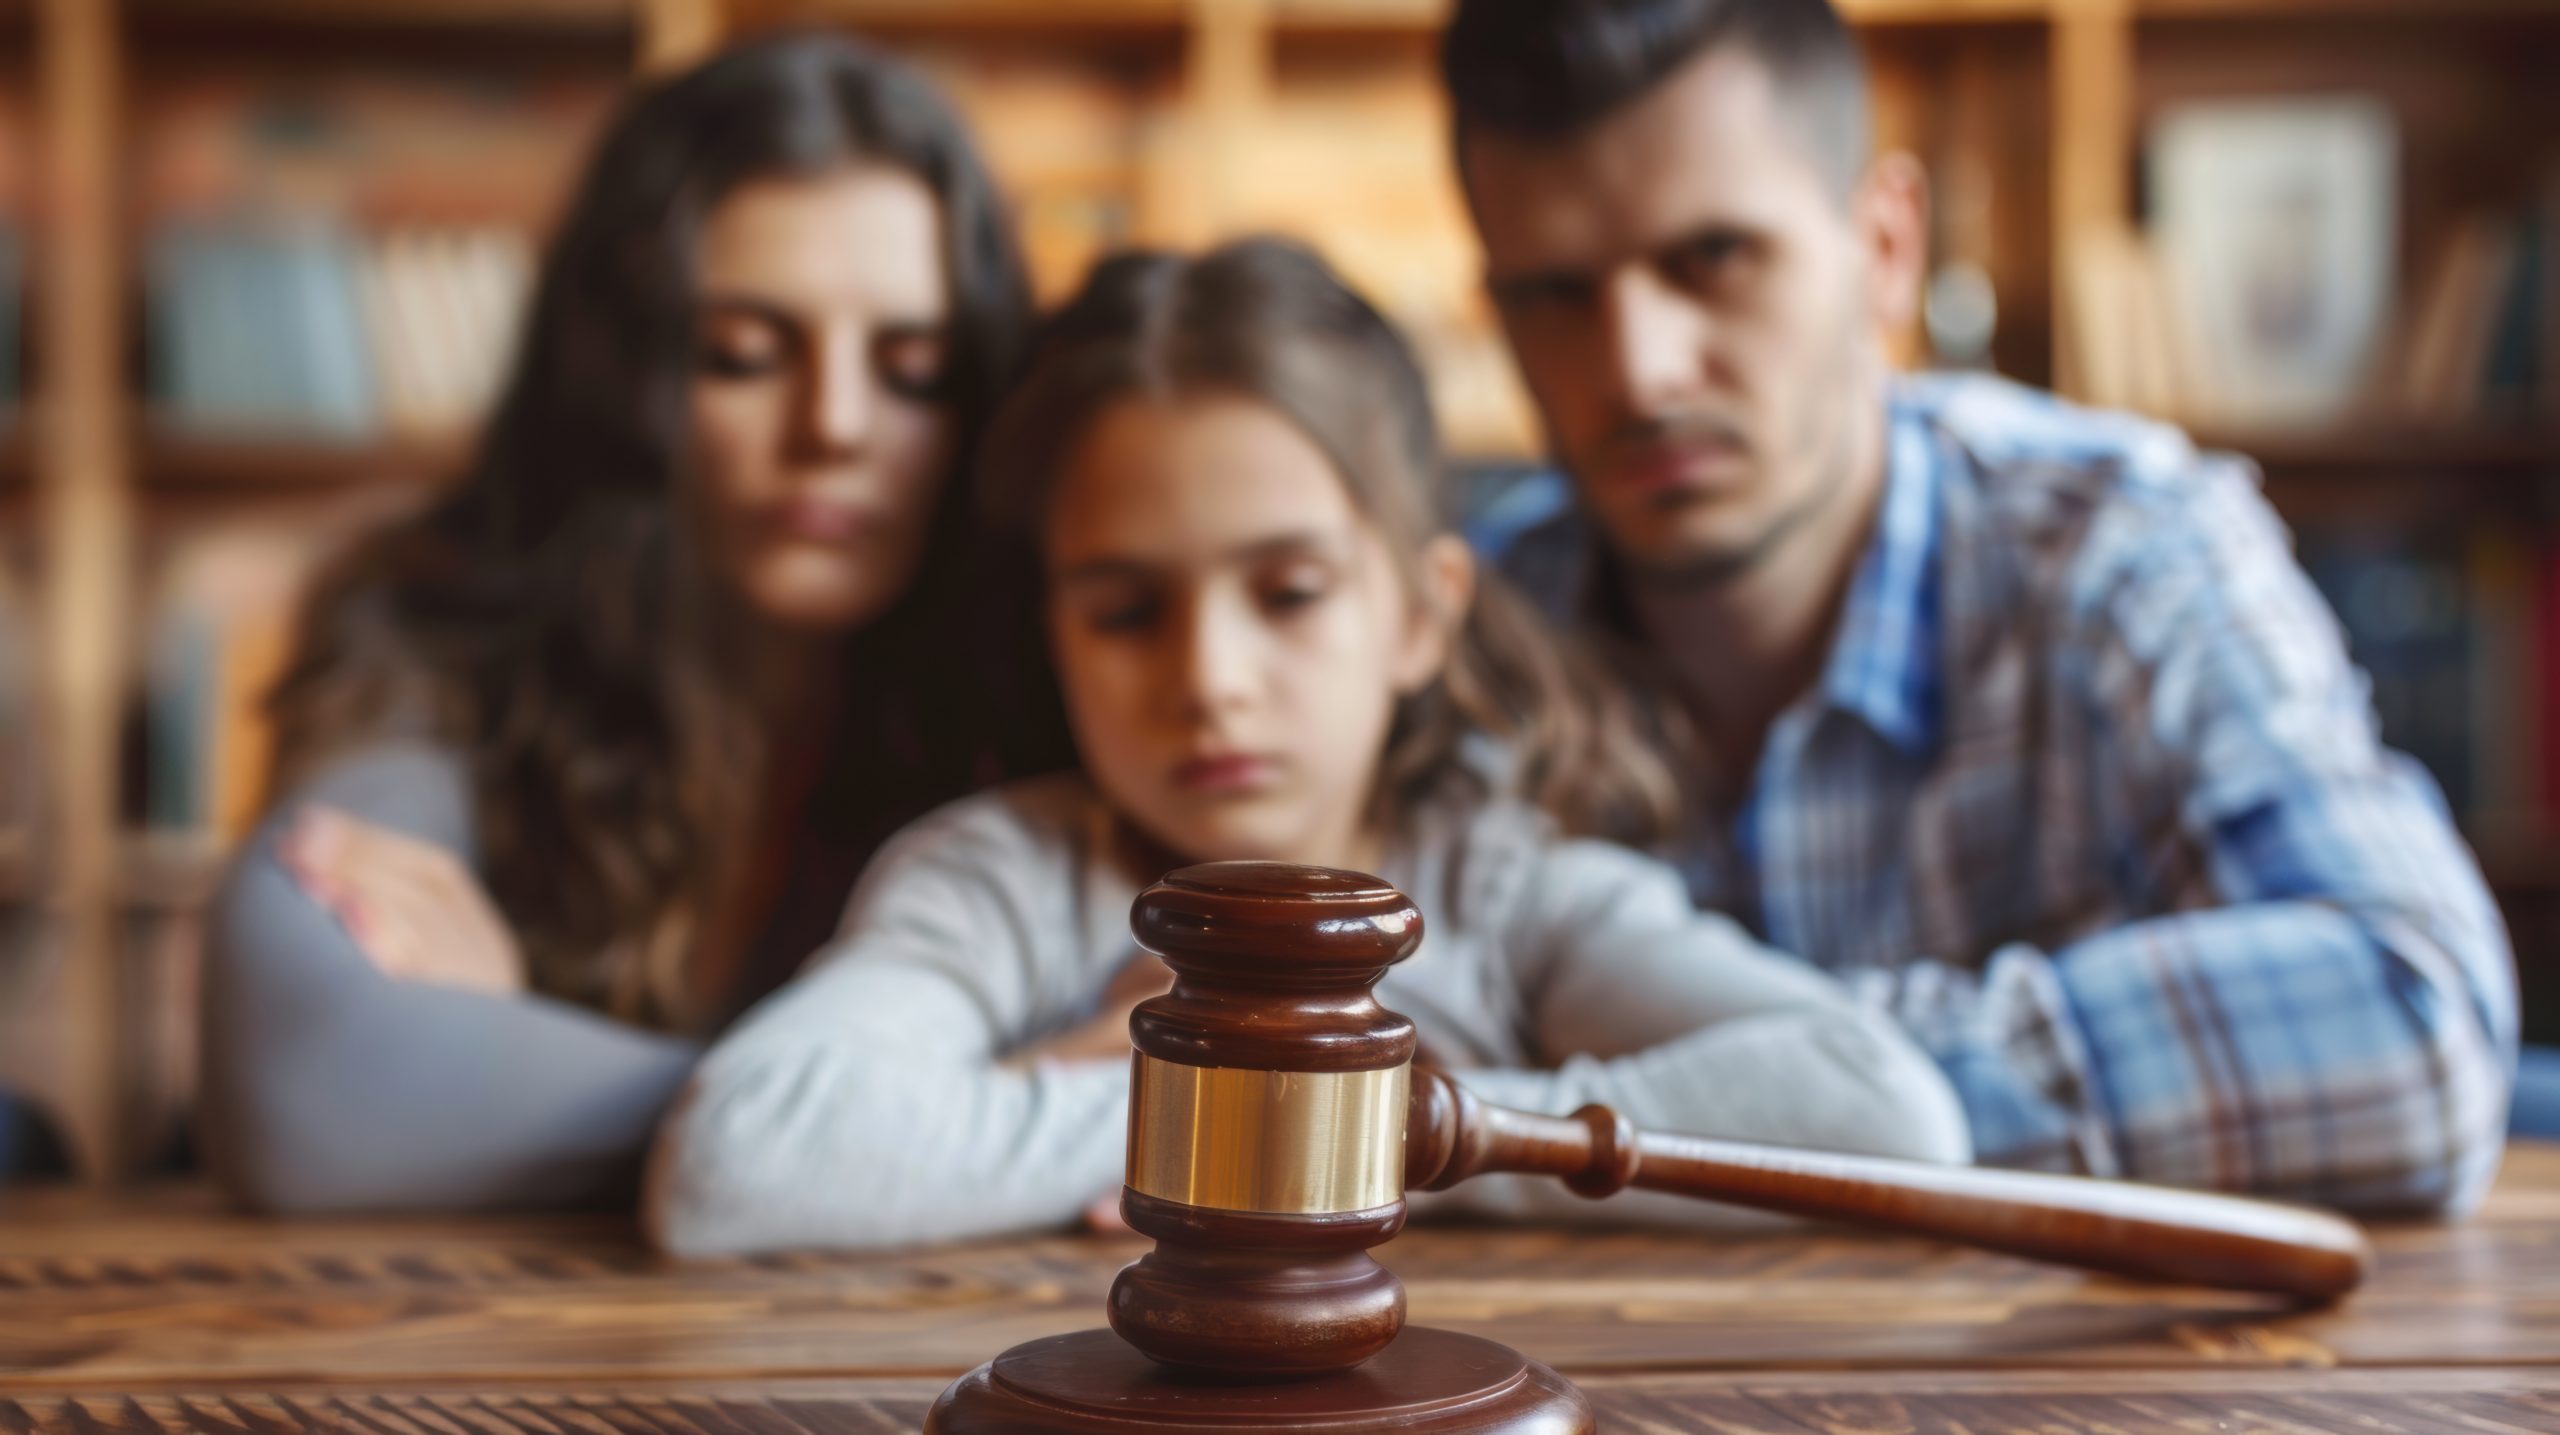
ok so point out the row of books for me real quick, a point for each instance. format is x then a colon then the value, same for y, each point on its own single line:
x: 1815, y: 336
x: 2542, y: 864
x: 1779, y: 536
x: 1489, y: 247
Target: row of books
x: 2458, y: 633
x: 2264, y: 292
x: 299, y: 328
x: 2484, y: 339
x: 341, y: 253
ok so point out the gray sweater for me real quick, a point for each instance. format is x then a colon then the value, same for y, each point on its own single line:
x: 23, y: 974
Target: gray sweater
x: 865, y: 1105
x: 328, y: 1086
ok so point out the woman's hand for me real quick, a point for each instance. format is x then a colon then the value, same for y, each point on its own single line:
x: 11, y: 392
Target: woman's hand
x: 412, y: 907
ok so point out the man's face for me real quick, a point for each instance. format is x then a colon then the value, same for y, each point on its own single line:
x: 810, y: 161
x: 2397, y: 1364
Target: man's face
x: 1688, y: 298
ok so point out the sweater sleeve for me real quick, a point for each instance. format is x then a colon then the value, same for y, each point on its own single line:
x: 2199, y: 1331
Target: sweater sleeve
x: 328, y: 1086
x: 1683, y: 1023
x: 865, y: 1104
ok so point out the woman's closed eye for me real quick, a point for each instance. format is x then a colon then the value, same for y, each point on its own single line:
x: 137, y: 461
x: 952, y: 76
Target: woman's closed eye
x: 914, y: 361
x: 742, y: 347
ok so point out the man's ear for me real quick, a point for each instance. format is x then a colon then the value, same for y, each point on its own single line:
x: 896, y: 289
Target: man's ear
x: 1446, y: 587
x: 1891, y: 215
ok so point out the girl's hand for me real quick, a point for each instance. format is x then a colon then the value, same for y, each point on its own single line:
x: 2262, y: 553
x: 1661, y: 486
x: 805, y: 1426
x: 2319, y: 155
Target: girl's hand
x: 413, y: 909
x: 1102, y: 1215
x: 1105, y: 1035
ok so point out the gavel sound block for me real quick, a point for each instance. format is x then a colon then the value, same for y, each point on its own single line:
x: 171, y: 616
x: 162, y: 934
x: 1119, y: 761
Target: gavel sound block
x: 1276, y: 1120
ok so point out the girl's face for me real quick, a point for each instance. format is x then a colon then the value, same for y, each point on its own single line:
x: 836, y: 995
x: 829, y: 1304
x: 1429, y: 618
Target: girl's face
x: 1231, y: 631
x: 820, y: 436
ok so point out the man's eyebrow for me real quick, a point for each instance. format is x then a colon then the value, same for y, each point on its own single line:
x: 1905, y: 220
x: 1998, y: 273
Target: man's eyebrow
x: 1714, y: 231
x: 1534, y: 280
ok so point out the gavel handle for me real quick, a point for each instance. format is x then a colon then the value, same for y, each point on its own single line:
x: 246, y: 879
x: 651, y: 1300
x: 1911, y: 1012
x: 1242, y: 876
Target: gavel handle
x: 2147, y: 1232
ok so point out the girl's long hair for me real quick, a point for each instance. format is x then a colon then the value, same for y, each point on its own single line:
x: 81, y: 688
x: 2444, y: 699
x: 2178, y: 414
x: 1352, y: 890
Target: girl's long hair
x: 1268, y: 320
x: 550, y: 616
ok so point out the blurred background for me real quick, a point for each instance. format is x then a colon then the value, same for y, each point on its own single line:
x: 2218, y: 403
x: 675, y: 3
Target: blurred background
x: 261, y: 263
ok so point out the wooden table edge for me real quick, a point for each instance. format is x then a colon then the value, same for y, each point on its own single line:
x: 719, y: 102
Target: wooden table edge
x: 2400, y: 1380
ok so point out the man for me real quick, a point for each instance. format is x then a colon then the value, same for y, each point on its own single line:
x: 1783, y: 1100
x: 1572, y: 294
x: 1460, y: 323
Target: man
x: 2019, y: 717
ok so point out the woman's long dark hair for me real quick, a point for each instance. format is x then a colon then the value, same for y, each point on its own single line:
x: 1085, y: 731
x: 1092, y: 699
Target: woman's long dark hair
x: 1268, y: 320
x: 549, y: 616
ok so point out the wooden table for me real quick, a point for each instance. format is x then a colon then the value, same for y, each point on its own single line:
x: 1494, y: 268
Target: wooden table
x: 161, y: 1313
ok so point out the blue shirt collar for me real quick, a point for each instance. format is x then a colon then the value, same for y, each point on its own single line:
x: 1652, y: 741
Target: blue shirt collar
x: 1884, y: 664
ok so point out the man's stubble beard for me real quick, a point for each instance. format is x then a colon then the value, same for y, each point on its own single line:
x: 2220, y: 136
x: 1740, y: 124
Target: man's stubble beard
x: 1827, y: 434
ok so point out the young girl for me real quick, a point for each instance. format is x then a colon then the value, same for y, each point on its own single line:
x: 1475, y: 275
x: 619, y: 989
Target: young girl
x: 1268, y: 651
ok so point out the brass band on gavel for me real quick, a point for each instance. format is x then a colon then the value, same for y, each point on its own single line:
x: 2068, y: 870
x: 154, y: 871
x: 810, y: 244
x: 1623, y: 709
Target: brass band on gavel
x: 1284, y: 1142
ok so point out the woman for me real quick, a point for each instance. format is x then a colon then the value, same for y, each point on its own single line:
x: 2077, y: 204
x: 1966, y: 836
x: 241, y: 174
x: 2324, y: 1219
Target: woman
x: 584, y: 760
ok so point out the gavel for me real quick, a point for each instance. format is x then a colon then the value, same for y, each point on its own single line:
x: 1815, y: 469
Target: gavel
x: 1277, y: 1119
x: 1276, y: 1122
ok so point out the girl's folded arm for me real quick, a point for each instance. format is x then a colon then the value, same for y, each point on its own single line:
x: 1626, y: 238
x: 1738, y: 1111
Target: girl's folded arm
x: 867, y: 1104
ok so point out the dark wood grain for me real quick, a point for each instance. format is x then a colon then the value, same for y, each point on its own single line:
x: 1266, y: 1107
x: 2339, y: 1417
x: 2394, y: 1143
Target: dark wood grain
x: 162, y: 1293
x: 2481, y: 1402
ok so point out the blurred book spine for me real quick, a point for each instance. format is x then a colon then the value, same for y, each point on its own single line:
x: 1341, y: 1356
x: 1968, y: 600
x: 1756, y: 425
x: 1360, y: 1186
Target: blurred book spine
x: 304, y: 331
x: 442, y: 308
x: 2457, y: 633
x: 222, y: 625
x: 254, y: 330
x: 2405, y: 606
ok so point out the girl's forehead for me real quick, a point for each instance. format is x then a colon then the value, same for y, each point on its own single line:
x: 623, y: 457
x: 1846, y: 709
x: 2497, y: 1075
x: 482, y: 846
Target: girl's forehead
x: 1194, y: 478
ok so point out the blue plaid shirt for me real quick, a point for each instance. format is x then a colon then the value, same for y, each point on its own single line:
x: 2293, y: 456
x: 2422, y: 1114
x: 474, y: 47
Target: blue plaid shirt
x: 2089, y: 796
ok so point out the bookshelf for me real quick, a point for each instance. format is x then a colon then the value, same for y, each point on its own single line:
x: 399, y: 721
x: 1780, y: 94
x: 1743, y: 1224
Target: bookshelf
x: 1108, y: 121
x: 437, y: 115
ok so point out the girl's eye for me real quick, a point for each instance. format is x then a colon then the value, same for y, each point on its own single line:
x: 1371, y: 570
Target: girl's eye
x: 1297, y: 589
x: 913, y: 363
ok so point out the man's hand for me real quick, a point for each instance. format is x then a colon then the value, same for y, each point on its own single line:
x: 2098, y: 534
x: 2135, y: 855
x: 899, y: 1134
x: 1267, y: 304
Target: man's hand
x: 412, y: 907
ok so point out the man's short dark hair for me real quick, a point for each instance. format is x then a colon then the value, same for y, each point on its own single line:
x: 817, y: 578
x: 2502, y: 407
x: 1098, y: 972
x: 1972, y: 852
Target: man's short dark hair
x: 1546, y: 69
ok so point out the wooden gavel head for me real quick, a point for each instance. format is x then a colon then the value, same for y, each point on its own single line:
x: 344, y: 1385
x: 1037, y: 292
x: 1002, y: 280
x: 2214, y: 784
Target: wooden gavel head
x: 1267, y: 1104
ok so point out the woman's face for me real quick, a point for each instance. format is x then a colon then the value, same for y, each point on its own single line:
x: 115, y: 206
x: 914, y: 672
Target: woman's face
x: 819, y: 427
x: 1231, y: 632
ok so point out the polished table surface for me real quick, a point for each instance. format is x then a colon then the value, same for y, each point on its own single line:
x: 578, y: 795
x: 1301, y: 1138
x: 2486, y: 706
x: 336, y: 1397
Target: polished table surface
x: 158, y: 1311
